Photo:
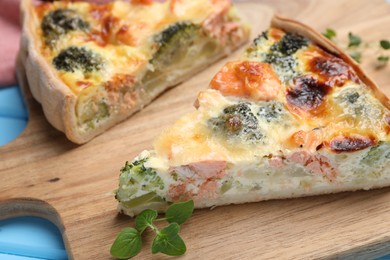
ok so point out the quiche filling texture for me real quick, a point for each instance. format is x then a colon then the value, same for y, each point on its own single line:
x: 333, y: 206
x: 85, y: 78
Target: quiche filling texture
x: 289, y: 119
x: 115, y: 58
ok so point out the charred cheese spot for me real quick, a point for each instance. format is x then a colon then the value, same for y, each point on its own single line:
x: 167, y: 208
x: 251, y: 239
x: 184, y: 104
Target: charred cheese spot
x: 351, y: 143
x: 332, y: 71
x: 307, y: 95
x: 253, y: 80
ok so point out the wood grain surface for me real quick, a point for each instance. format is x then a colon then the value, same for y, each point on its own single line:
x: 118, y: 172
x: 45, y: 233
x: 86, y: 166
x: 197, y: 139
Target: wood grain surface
x: 43, y: 174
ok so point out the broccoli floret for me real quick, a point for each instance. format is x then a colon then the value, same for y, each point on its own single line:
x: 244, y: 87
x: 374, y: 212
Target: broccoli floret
x: 139, y: 185
x: 93, y: 113
x: 253, y: 51
x: 376, y: 153
x: 78, y: 58
x: 271, y: 112
x: 351, y: 96
x: 173, y: 43
x: 141, y: 174
x: 284, y: 66
x: 260, y: 38
x: 280, y: 56
x: 60, y: 22
x: 289, y: 44
x: 238, y: 121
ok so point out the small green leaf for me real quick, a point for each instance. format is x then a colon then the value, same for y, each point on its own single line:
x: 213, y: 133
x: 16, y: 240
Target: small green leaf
x: 145, y: 219
x: 127, y: 244
x: 329, y: 33
x: 169, y: 242
x: 354, y: 40
x: 357, y: 56
x: 171, y: 230
x: 179, y: 212
x: 385, y: 44
x: 383, y: 59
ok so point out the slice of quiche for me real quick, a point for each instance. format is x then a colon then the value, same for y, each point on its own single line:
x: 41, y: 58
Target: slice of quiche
x: 91, y: 66
x: 294, y: 117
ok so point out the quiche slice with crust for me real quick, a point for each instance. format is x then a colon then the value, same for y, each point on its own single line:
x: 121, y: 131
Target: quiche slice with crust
x: 294, y: 117
x: 91, y: 66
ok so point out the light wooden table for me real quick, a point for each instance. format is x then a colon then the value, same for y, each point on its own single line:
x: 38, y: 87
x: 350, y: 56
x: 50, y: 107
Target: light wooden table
x: 43, y: 174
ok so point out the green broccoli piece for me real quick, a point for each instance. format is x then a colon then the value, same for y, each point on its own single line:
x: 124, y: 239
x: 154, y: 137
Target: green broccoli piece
x: 173, y: 43
x: 59, y: 22
x: 260, y: 38
x: 78, y: 58
x: 381, y: 150
x: 140, y: 173
x: 238, y: 121
x: 93, y: 113
x: 280, y: 56
x: 137, y: 181
x: 284, y: 66
x: 253, y: 51
x: 289, y: 44
x: 271, y: 112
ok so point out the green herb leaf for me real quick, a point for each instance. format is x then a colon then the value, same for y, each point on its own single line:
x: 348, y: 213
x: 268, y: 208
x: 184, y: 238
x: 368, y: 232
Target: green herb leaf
x: 127, y: 244
x: 383, y: 59
x: 354, y: 40
x: 329, y: 33
x: 169, y: 242
x: 179, y: 212
x: 357, y: 56
x: 385, y: 44
x: 145, y: 219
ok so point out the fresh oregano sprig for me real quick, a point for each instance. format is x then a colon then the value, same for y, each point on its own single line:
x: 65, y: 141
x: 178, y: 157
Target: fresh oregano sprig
x: 329, y: 33
x: 128, y: 243
x: 354, y: 40
x: 355, y: 46
x: 382, y: 58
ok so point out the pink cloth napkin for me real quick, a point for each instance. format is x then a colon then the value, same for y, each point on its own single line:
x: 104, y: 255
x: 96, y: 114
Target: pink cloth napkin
x: 9, y: 43
x: 9, y: 39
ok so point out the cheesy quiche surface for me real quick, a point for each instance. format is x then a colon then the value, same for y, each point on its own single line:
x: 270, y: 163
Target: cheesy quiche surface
x: 91, y: 66
x: 294, y: 117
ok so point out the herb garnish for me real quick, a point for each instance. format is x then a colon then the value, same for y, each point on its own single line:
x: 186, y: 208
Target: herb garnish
x: 384, y: 59
x: 329, y: 33
x: 355, y: 46
x: 357, y: 56
x: 354, y: 40
x: 128, y: 243
x: 385, y: 44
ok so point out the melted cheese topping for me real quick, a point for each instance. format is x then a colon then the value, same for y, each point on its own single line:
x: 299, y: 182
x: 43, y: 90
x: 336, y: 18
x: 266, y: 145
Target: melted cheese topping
x: 309, y: 100
x: 287, y: 120
x: 120, y: 32
x: 116, y: 56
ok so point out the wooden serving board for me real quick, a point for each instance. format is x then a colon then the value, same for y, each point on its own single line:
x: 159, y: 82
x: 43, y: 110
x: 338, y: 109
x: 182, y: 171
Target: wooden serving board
x: 43, y: 174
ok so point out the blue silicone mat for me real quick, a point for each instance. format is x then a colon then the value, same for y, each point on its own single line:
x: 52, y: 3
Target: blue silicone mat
x: 24, y: 238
